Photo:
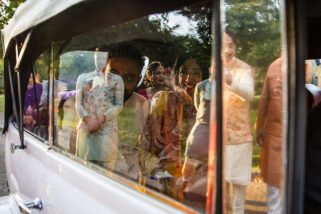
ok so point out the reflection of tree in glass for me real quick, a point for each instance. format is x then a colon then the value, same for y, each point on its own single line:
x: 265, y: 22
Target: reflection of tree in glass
x: 74, y: 63
x: 258, y: 34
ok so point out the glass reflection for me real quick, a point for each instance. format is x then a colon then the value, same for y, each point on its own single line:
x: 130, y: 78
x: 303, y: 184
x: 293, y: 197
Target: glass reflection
x: 238, y: 92
x: 142, y: 132
x: 254, y: 97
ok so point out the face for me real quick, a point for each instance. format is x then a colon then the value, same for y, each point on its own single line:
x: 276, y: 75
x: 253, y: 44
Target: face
x: 128, y: 69
x: 229, y: 48
x: 159, y: 75
x: 189, y: 75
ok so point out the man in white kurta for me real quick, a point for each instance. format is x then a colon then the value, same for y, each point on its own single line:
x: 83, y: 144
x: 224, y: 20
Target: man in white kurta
x: 238, y: 92
x: 99, y: 98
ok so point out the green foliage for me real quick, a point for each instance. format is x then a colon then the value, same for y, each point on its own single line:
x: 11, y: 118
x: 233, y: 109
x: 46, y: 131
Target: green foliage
x: 256, y: 25
x: 7, y: 9
x: 72, y: 64
x: 1, y: 67
x: 2, y: 99
x: 202, y: 46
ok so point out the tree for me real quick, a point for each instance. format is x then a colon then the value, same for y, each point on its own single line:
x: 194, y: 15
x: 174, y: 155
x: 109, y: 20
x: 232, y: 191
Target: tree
x: 256, y: 25
x: 7, y: 9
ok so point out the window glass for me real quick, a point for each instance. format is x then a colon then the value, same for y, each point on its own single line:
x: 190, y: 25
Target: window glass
x: 254, y: 107
x: 35, y: 111
x: 135, y: 99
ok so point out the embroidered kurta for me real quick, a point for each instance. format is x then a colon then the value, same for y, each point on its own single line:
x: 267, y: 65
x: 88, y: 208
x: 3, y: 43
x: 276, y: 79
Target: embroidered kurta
x: 237, y: 99
x: 269, y: 120
x: 99, y: 95
x: 237, y: 134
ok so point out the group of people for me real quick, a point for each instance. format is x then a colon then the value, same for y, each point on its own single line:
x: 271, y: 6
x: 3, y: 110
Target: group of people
x: 159, y: 117
x: 172, y: 112
x: 161, y: 129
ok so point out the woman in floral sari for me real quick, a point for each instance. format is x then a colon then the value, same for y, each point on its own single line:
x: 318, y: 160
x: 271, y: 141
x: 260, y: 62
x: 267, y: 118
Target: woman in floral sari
x: 171, y: 111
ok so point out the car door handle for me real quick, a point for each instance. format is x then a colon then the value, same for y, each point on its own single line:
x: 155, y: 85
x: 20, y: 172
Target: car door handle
x: 35, y: 204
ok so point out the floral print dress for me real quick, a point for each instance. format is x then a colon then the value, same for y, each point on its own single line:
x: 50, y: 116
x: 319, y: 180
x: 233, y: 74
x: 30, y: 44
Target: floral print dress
x: 164, y: 129
x: 99, y: 94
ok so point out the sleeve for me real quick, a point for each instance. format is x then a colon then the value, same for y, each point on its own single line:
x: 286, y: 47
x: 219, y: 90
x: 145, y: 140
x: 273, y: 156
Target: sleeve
x: 185, y: 98
x: 44, y: 94
x: 263, y: 105
x: 81, y: 112
x: 119, y: 88
x: 197, y: 96
x: 244, y: 85
x: 65, y: 95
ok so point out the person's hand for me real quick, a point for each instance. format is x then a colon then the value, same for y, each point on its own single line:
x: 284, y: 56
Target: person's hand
x: 170, y: 81
x: 102, y: 119
x: 27, y: 120
x: 29, y: 110
x: 92, y: 124
x: 259, y: 138
x: 228, y: 77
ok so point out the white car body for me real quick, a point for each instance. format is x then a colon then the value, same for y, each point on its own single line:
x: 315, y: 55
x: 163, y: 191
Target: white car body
x: 66, y: 186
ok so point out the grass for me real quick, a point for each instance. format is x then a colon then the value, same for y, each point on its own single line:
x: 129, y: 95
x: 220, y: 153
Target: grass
x: 2, y: 103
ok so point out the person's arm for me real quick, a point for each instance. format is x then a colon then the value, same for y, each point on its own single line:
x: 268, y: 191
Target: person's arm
x: 113, y: 112
x: 197, y: 96
x: 65, y: 95
x: 244, y: 85
x: 185, y: 98
x: 262, y: 111
x: 80, y: 110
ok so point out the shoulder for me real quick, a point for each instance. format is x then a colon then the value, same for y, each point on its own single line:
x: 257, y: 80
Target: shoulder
x: 202, y: 85
x: 114, y: 79
x: 165, y: 94
x: 139, y: 98
x: 243, y: 65
x: 275, y: 67
x: 114, y: 76
x: 83, y: 76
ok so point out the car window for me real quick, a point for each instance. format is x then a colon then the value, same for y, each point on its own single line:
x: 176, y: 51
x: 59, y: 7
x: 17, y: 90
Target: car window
x: 135, y: 99
x: 254, y: 107
x: 35, y: 106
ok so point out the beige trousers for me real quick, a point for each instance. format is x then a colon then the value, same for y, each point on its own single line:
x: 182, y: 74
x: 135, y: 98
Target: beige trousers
x: 235, y: 198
